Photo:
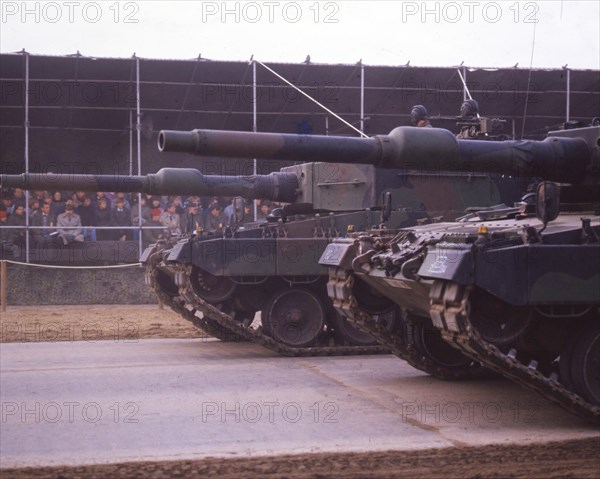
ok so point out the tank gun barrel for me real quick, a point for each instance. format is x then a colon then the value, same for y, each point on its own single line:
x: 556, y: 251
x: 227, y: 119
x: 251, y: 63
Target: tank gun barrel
x: 423, y: 149
x: 167, y: 181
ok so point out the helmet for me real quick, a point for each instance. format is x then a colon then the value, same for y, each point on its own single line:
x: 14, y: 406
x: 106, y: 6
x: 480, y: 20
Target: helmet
x: 469, y: 108
x: 417, y: 114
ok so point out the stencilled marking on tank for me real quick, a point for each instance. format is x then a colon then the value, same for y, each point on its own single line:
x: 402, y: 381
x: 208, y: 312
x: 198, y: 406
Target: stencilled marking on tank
x: 439, y: 266
x: 333, y: 254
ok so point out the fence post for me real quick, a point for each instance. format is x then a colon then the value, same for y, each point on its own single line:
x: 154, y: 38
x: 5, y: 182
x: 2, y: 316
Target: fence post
x: 3, y: 281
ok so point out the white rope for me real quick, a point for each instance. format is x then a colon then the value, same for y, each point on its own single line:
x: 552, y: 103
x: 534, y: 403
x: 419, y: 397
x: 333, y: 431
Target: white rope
x: 528, y: 81
x: 49, y: 266
x: 313, y: 100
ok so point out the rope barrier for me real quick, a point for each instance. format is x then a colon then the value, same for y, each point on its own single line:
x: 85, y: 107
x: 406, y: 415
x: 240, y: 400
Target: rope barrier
x: 51, y: 266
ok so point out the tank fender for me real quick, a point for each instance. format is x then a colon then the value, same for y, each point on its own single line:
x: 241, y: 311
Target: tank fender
x: 181, y: 252
x: 339, y: 254
x: 449, y: 261
x: 145, y: 257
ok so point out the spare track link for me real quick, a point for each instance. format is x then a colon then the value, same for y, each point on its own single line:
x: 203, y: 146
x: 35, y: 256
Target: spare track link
x: 450, y: 314
x: 340, y: 285
x: 191, y: 302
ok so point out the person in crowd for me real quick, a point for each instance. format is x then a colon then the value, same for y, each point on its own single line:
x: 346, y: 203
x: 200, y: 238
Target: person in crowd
x: 228, y: 211
x: 86, y: 212
x: 194, y: 199
x: 247, y: 213
x: 171, y: 220
x: 43, y: 237
x: 192, y: 219
x: 177, y: 201
x: 7, y: 203
x: 121, y: 216
x: 16, y: 236
x: 34, y: 206
x: 3, y: 231
x: 103, y: 218
x: 135, y: 213
x: 155, y: 203
x: 125, y: 198
x: 69, y: 226
x: 110, y: 196
x: 265, y: 210
x: 48, y: 199
x: 216, y: 219
x: 39, y: 195
x: 206, y: 211
x: 19, y: 197
x: 98, y: 196
x: 78, y: 197
x: 58, y: 204
x: 152, y: 234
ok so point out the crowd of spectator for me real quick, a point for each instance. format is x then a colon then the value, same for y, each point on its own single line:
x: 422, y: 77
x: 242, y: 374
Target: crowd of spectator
x: 69, y: 217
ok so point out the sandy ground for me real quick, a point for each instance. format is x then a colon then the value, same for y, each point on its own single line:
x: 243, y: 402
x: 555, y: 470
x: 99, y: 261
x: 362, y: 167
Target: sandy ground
x: 572, y: 459
x: 92, y: 323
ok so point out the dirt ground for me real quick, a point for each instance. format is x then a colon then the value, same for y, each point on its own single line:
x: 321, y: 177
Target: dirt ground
x: 572, y: 459
x: 92, y: 323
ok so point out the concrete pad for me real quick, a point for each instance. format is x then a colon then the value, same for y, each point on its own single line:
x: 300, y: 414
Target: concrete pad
x: 103, y: 402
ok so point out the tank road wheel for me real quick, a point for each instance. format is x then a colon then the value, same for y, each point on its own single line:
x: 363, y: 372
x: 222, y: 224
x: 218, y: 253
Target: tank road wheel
x: 294, y: 317
x: 391, y: 322
x: 585, y: 364
x: 370, y: 300
x: 212, y: 289
x: 351, y: 333
x: 242, y: 316
x: 498, y: 322
x: 429, y: 343
x: 566, y: 360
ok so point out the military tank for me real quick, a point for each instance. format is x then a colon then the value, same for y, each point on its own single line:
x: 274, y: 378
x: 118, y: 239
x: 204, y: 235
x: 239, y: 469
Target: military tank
x: 515, y: 289
x: 332, y: 199
x: 220, y: 281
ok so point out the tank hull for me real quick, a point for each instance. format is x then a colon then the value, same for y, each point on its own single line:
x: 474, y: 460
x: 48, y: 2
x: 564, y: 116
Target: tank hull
x: 517, y: 293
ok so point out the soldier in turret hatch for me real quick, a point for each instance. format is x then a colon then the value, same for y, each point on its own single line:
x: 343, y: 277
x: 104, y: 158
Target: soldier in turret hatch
x: 469, y: 109
x: 474, y: 127
x: 468, y: 121
x: 419, y: 117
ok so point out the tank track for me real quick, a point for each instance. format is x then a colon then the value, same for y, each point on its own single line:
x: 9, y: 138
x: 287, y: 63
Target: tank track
x: 223, y: 326
x: 450, y: 314
x: 339, y: 288
x: 179, y: 306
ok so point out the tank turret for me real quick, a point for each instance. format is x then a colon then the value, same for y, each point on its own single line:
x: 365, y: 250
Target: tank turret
x: 557, y: 158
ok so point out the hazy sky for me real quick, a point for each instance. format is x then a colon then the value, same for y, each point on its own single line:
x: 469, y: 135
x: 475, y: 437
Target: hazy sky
x: 480, y: 33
